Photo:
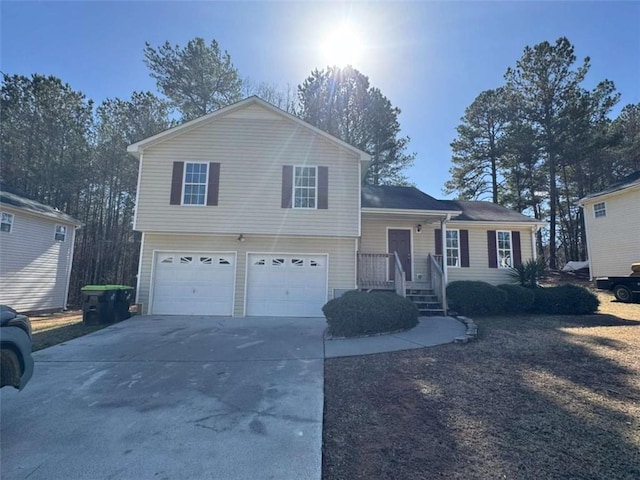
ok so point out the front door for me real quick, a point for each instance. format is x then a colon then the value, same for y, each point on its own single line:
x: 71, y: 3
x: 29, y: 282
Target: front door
x: 400, y: 241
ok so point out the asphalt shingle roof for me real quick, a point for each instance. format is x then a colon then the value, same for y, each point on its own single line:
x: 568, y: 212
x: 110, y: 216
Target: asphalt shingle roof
x: 628, y: 181
x: 32, y: 206
x: 403, y: 198
x: 410, y: 198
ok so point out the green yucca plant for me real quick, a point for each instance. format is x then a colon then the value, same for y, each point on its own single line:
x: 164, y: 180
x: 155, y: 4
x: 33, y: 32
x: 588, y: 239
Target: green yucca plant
x: 530, y: 272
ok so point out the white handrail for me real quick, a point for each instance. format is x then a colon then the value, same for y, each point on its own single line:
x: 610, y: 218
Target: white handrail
x: 436, y: 277
x: 400, y: 278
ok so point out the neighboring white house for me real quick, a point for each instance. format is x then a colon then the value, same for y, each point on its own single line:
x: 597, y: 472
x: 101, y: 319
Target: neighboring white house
x: 251, y: 211
x: 36, y: 252
x: 612, y: 223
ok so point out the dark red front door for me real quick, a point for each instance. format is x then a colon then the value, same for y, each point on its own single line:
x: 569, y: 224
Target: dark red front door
x: 400, y: 241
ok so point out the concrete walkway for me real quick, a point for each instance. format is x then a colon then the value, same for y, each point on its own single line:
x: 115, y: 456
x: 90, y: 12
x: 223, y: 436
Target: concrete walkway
x: 429, y: 332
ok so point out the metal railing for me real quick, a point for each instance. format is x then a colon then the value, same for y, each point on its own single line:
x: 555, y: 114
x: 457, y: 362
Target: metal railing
x: 436, y: 278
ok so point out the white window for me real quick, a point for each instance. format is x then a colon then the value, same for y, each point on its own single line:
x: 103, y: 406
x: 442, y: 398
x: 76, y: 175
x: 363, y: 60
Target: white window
x: 61, y: 233
x: 304, y: 187
x: 504, y: 250
x: 7, y: 222
x: 195, y: 184
x: 599, y: 210
x: 453, y: 248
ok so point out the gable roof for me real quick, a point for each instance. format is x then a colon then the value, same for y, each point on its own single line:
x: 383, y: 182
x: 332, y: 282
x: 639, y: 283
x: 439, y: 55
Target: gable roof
x: 405, y: 199
x: 478, y: 211
x: 136, y: 148
x: 400, y: 198
x: 627, y: 182
x: 31, y: 206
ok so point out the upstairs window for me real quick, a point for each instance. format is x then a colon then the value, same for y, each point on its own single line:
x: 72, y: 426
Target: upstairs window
x: 505, y: 255
x: 195, y: 184
x: 599, y: 210
x: 453, y: 248
x: 304, y: 187
x: 7, y: 222
x: 60, y: 233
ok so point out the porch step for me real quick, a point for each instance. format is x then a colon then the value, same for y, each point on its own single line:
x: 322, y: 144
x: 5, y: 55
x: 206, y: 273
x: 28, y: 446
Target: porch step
x: 426, y: 301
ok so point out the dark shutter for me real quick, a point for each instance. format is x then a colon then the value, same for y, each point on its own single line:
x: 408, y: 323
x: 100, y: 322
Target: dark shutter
x: 323, y: 188
x: 176, y: 183
x: 492, y: 249
x: 438, y: 240
x: 464, y: 248
x: 517, y: 250
x: 287, y: 185
x: 214, y: 184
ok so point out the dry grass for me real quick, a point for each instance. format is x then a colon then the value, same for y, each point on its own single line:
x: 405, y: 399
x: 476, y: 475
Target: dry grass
x: 534, y: 397
x: 49, y: 330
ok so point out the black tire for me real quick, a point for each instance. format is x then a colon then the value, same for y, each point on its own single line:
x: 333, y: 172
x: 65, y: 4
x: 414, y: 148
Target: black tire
x: 9, y: 368
x: 622, y: 293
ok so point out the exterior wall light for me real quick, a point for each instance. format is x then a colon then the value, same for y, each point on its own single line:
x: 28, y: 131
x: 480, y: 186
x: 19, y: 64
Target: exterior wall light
x: 418, y: 228
x: 241, y: 238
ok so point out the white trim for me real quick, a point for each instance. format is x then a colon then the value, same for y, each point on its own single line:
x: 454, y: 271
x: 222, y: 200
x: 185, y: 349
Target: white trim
x: 138, y: 147
x: 246, y: 273
x: 604, y: 210
x: 597, y: 197
x: 410, y: 253
x: 419, y: 213
x: 360, y: 200
x: 184, y: 184
x: 13, y: 217
x: 500, y: 267
x: 140, y: 272
x: 153, y: 264
x: 355, y: 271
x: 534, y: 253
x: 247, y: 234
x: 293, y: 188
x: 69, y: 267
x: 497, y: 225
x: 55, y: 232
x: 444, y: 249
x: 135, y: 208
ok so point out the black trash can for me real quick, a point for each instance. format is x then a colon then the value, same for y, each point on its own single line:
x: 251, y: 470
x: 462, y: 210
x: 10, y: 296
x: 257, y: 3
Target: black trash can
x: 105, y: 303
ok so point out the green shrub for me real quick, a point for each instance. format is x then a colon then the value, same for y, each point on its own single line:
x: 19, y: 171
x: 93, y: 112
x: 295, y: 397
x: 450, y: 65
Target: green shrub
x: 476, y: 298
x: 519, y: 299
x: 565, y: 300
x: 361, y: 313
x: 530, y: 272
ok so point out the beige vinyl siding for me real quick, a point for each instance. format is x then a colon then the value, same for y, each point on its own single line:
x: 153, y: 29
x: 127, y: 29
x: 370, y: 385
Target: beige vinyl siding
x: 614, y: 240
x: 479, y: 254
x: 341, y: 271
x: 374, y: 238
x: 34, y: 268
x: 251, y: 148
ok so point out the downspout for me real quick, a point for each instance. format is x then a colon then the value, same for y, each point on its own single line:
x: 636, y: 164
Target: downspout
x: 445, y: 274
x: 534, y: 254
x: 73, y: 244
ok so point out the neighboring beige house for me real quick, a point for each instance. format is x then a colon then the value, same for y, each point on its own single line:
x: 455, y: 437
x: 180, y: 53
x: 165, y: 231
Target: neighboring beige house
x: 251, y: 211
x: 36, y: 253
x: 612, y: 223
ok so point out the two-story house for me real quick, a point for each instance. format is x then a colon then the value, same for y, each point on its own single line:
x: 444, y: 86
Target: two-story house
x: 612, y: 225
x: 251, y: 211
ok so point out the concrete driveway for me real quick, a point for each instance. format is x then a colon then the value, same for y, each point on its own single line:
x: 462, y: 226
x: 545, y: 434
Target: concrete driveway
x: 162, y: 397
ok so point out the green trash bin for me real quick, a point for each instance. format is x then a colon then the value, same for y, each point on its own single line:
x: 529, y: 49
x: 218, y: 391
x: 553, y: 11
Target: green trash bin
x: 106, y: 303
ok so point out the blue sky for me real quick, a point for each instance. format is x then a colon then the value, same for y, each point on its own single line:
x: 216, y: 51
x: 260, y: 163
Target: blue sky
x: 431, y: 59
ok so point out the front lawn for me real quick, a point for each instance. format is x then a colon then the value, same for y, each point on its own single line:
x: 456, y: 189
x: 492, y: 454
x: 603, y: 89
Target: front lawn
x: 534, y: 397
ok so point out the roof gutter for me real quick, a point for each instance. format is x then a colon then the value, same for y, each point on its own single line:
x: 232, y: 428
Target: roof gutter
x: 401, y: 211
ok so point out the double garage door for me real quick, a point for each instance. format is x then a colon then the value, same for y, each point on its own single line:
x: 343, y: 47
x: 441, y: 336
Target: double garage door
x: 203, y: 284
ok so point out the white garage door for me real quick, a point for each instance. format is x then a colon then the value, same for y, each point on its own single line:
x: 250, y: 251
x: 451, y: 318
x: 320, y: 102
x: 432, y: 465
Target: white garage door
x: 286, y: 285
x: 193, y: 283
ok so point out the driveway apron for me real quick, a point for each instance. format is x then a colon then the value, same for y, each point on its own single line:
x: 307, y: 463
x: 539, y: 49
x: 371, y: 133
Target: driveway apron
x: 165, y: 397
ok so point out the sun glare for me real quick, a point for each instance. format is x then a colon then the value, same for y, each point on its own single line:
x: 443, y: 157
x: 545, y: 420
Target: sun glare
x: 343, y: 46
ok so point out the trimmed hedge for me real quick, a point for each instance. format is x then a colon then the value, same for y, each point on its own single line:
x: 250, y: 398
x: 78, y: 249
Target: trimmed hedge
x: 476, y: 298
x: 565, y: 300
x: 519, y: 299
x: 361, y: 313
